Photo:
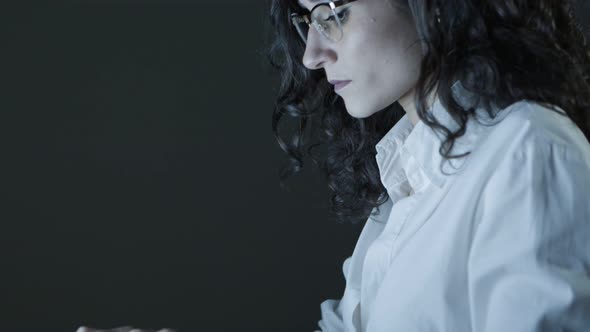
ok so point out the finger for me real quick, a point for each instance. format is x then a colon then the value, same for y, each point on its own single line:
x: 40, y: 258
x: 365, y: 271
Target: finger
x: 91, y: 329
x: 125, y: 328
x: 85, y: 329
x: 116, y: 329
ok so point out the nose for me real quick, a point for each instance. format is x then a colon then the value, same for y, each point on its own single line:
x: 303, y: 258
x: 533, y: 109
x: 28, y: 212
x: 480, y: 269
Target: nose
x: 316, y: 53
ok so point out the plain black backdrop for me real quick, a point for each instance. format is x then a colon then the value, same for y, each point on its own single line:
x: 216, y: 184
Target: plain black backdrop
x: 139, y: 174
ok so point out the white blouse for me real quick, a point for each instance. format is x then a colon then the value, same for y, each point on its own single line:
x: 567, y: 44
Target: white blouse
x: 501, y: 243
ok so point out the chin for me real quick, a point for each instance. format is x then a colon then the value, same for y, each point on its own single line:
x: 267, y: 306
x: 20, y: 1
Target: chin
x: 360, y: 115
x: 362, y: 112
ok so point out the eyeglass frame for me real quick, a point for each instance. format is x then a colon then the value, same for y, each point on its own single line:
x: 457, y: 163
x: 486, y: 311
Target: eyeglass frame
x: 305, y: 18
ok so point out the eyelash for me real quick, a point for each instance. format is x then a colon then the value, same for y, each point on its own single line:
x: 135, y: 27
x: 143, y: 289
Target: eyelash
x: 343, y: 15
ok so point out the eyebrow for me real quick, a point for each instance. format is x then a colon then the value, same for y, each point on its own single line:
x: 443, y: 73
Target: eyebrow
x: 311, y: 1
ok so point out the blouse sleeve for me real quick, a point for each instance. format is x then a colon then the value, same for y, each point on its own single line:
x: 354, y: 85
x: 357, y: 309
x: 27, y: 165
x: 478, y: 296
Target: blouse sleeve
x: 529, y: 264
x: 343, y: 315
x: 332, y: 316
x: 331, y: 310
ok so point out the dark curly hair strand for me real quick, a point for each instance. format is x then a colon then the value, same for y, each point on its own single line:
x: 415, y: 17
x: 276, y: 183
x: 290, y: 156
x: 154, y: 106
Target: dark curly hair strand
x: 503, y: 51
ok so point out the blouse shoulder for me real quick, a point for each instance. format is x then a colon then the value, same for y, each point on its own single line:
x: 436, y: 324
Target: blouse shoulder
x: 532, y: 127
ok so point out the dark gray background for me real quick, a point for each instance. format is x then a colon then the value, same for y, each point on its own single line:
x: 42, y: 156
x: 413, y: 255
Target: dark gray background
x: 140, y: 175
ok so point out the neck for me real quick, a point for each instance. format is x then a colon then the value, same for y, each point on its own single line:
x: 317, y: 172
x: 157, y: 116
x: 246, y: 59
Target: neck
x: 408, y: 104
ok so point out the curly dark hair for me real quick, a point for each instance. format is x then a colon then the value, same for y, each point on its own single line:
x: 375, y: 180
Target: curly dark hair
x: 503, y: 51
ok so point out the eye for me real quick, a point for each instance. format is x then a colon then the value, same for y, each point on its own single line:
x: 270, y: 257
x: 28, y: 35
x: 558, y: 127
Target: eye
x: 341, y: 15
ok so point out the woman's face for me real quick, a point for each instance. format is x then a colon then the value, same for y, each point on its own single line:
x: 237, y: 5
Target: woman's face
x: 379, y: 52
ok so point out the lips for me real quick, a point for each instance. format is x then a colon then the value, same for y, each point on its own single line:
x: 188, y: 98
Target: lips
x: 339, y: 84
x: 334, y: 82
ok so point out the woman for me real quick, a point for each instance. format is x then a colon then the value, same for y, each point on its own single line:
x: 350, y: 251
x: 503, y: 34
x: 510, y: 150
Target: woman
x: 460, y: 134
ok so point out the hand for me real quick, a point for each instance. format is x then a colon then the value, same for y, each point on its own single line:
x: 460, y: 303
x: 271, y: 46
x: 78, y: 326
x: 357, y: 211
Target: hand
x: 119, y: 329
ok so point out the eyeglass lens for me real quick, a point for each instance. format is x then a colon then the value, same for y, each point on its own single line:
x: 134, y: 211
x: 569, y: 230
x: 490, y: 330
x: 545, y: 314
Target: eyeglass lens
x: 325, y: 20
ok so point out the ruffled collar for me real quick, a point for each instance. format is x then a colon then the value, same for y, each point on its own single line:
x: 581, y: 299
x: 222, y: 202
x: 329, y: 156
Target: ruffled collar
x: 408, y: 156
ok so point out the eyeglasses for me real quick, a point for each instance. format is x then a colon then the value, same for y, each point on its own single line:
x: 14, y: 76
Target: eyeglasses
x: 325, y: 19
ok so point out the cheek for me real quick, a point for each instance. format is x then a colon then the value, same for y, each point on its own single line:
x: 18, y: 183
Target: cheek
x: 380, y: 51
x: 364, y: 54
x: 380, y: 45
x: 382, y: 62
x: 396, y: 59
